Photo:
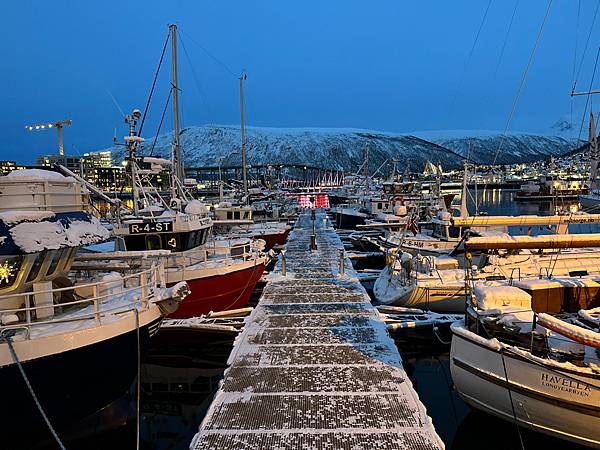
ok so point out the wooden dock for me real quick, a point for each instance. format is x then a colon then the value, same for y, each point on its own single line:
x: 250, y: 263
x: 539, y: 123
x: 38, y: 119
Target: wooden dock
x: 314, y: 367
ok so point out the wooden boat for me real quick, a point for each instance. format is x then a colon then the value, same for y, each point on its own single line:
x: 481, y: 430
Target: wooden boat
x: 511, y: 359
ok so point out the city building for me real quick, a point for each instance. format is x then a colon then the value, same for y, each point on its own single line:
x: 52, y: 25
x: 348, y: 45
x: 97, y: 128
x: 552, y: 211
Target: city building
x: 8, y: 166
x: 71, y: 162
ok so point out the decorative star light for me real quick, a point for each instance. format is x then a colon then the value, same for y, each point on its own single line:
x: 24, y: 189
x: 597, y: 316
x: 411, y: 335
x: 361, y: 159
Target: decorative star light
x: 7, y: 272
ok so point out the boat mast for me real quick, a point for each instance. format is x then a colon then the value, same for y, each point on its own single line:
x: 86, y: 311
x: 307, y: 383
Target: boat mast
x: 464, y: 212
x: 178, y: 171
x: 593, y: 152
x: 131, y: 142
x: 244, y: 156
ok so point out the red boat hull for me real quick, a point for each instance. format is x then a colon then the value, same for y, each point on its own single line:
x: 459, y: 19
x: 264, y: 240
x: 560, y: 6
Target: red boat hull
x: 219, y: 293
x: 273, y: 239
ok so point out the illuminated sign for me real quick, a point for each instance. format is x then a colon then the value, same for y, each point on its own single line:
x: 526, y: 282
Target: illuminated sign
x: 8, y: 273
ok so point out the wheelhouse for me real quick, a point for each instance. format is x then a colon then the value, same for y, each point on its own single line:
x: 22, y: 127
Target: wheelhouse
x: 445, y: 230
x: 175, y: 242
x: 226, y: 211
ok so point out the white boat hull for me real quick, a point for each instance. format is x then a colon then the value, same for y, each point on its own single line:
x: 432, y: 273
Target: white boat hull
x: 389, y: 290
x: 550, y: 400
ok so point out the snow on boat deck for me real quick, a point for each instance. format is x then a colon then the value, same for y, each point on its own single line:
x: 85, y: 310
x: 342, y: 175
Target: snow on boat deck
x: 314, y: 367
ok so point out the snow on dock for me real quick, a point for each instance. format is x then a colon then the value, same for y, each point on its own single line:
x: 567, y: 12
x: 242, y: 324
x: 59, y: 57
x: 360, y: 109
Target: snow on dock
x: 314, y: 367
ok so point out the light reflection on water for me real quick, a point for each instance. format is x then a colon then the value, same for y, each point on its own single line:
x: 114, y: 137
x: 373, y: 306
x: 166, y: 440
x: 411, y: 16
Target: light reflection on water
x: 169, y: 420
x: 499, y: 202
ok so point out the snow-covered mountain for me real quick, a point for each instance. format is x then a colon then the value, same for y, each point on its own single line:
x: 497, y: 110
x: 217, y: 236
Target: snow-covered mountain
x: 343, y: 149
x: 482, y: 146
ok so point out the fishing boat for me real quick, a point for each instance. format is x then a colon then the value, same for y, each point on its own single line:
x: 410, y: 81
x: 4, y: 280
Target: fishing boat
x: 221, y: 271
x: 548, y: 189
x: 513, y: 360
x: 433, y: 230
x: 348, y: 216
x: 238, y: 220
x: 63, y: 332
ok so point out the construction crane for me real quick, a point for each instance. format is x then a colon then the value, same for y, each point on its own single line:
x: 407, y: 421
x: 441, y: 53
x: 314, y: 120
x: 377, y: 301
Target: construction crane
x: 59, y: 126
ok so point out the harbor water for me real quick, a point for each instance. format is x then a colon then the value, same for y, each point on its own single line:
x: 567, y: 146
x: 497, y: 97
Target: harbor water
x: 178, y: 383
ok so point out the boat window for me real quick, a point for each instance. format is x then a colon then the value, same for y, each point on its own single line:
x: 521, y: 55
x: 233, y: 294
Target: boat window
x: 379, y: 205
x: 246, y: 214
x: 229, y: 215
x: 204, y: 234
x: 192, y: 238
x: 9, y: 269
x: 439, y: 230
x: 454, y: 232
x: 198, y: 238
x: 56, y: 255
x: 236, y: 215
x: 35, y: 267
x: 135, y: 242
x: 237, y: 251
x: 153, y: 242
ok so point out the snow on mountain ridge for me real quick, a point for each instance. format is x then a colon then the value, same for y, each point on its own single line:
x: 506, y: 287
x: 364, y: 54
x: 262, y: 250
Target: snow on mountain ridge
x: 343, y: 148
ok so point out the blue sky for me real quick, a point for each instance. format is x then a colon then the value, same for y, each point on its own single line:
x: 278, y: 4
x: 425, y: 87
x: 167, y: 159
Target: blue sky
x: 384, y: 65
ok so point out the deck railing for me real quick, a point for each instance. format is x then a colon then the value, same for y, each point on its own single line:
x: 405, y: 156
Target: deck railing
x: 138, y: 289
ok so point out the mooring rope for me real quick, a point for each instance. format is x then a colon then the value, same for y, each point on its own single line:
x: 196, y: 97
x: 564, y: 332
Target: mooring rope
x: 32, y: 392
x: 139, y: 381
x: 512, y: 405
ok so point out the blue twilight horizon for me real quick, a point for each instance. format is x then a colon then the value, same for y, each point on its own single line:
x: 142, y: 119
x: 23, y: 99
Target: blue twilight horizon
x: 387, y: 65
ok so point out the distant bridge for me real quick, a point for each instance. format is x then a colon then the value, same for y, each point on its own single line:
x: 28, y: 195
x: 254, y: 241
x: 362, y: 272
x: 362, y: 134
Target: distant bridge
x: 284, y: 175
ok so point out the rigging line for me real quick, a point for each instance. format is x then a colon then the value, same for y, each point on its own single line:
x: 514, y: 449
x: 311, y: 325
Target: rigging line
x: 115, y: 102
x: 575, y: 55
x: 521, y: 84
x: 182, y: 111
x: 162, y: 118
x: 512, y: 18
x: 195, y: 76
x: 153, y: 86
x: 586, y: 44
x: 214, y: 58
x: 468, y: 61
x: 589, y: 96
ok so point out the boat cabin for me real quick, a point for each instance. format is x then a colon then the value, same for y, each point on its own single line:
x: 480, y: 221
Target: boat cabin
x: 382, y: 205
x: 161, y: 236
x: 444, y: 229
x: 43, y: 218
x: 227, y: 211
x: 170, y: 231
x: 38, y: 245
